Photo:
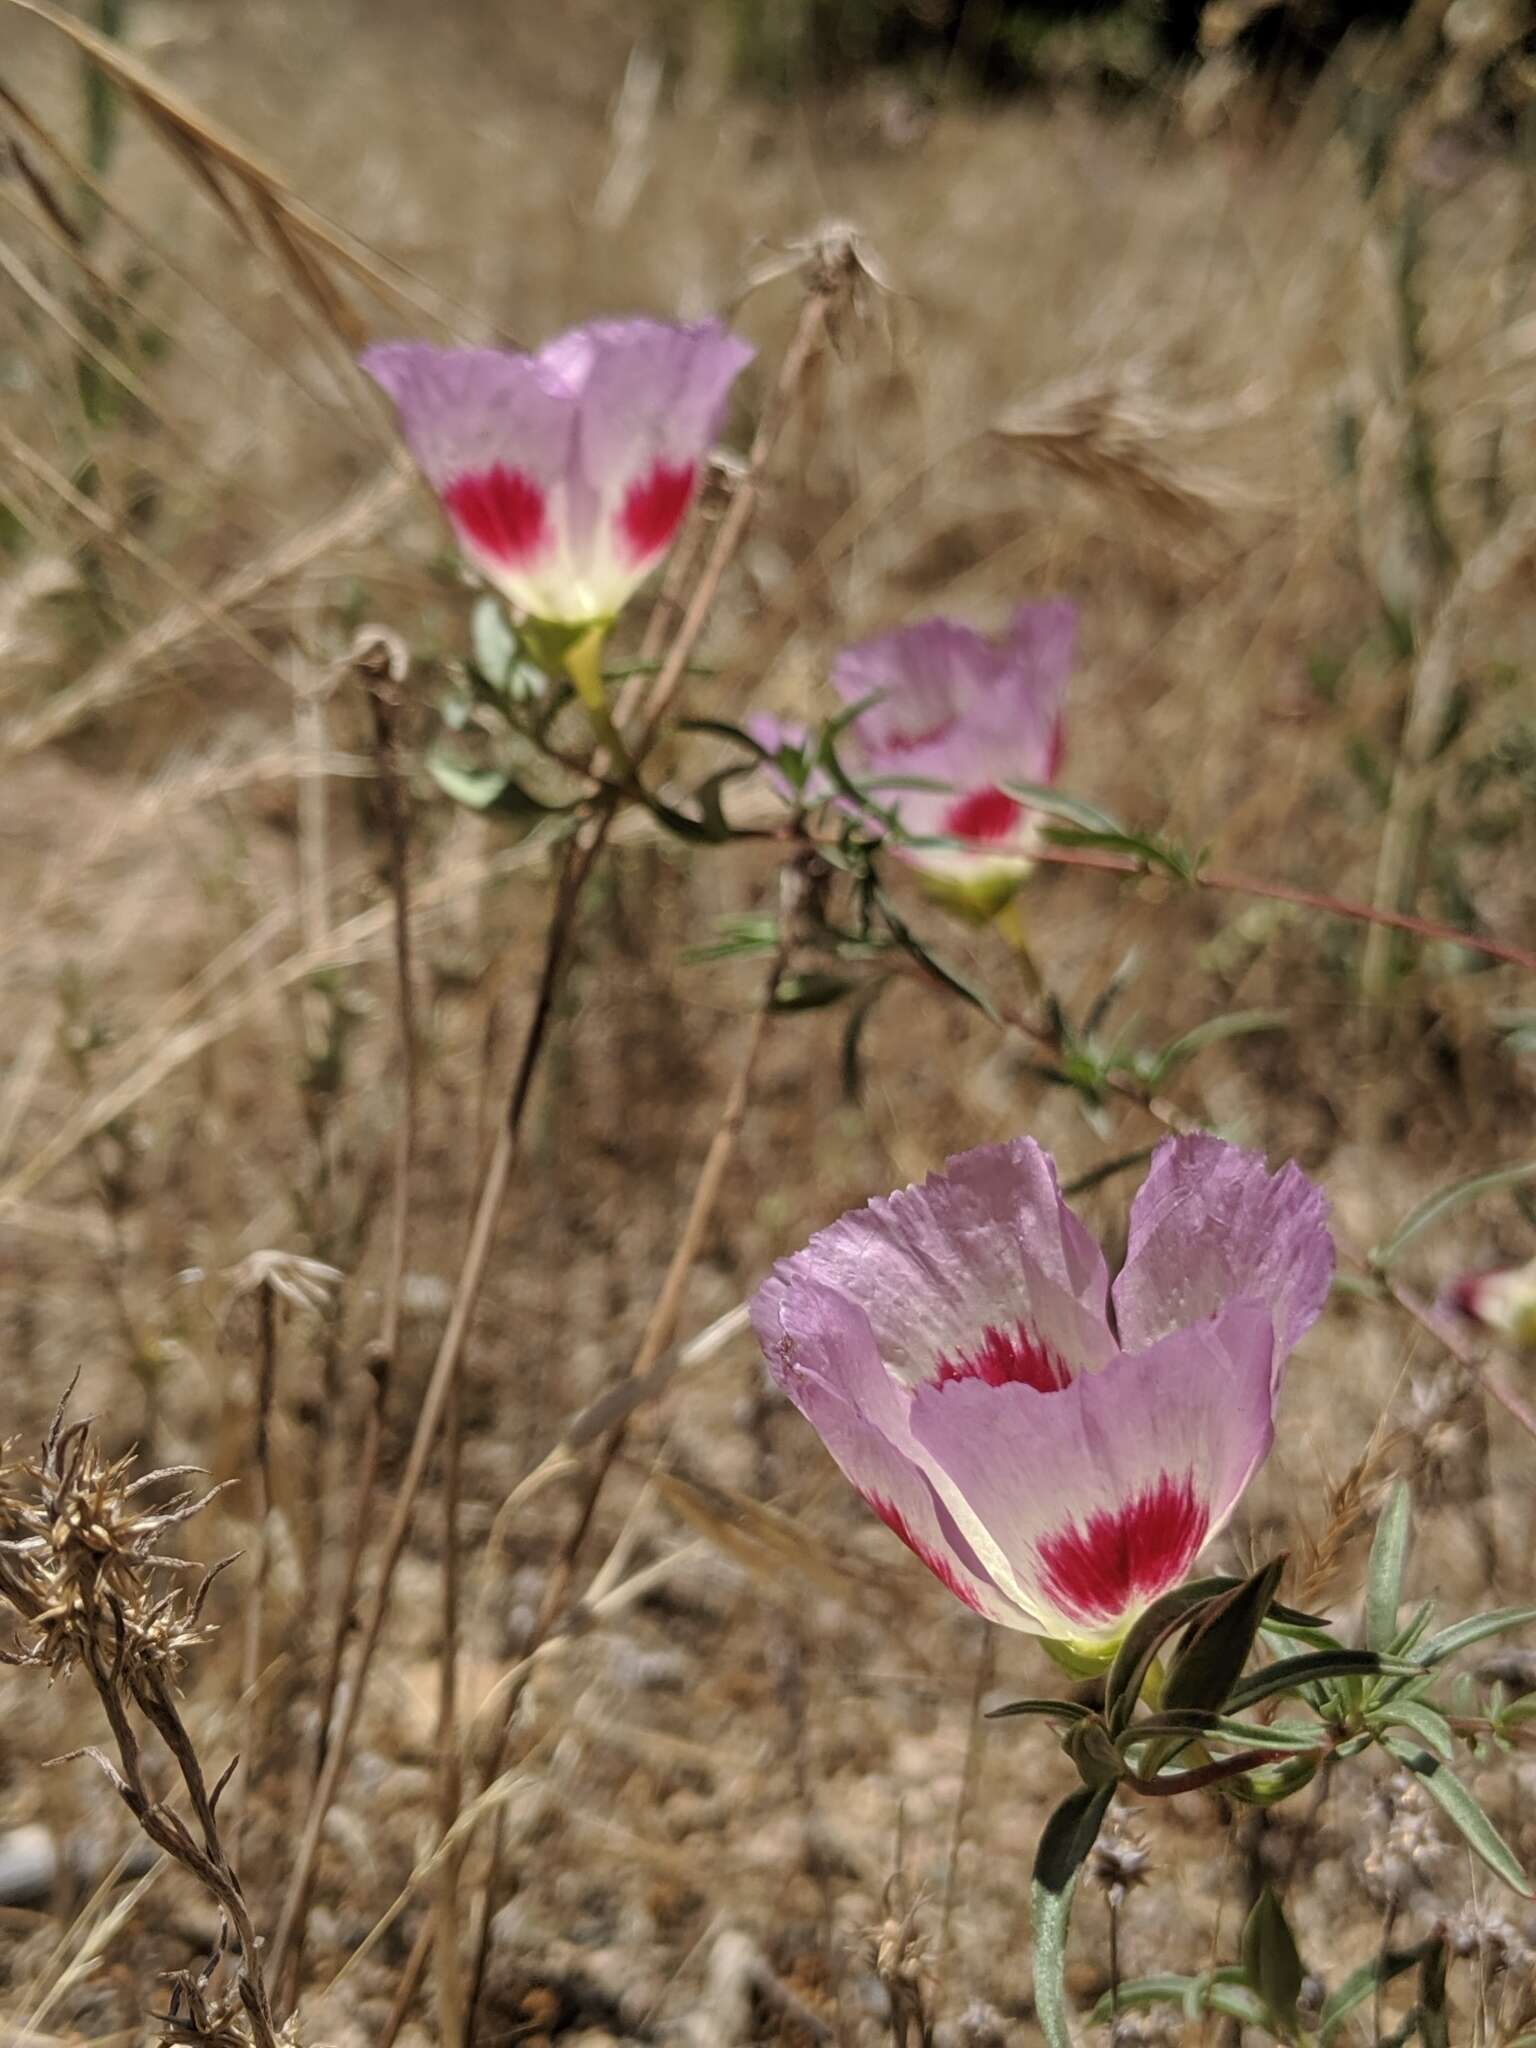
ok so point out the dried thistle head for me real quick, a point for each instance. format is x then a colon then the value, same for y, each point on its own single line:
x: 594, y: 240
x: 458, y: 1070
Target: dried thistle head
x: 1490, y: 1937
x: 899, y: 1956
x: 81, y: 1563
x: 836, y: 262
x: 1120, y: 1859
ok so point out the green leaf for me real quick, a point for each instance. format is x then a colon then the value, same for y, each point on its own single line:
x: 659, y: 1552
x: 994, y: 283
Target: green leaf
x: 1155, y: 854
x: 1432, y: 1729
x: 812, y: 991
x: 1051, y: 1913
x: 1064, y: 1710
x: 492, y: 642
x: 488, y: 790
x: 1269, y: 1784
x: 905, y: 938
x: 1057, y: 804
x: 1411, y: 1631
x: 1212, y: 1659
x: 851, y: 1054
x: 1237, y: 2002
x: 1068, y: 1835
x: 1271, y: 1961
x: 1434, y: 2028
x: 1144, y: 1991
x: 1142, y: 1641
x: 1292, y: 1672
x: 1445, y: 1203
x: 719, y: 729
x: 1360, y: 1985
x: 710, y: 793
x: 1237, y: 1024
x: 1301, y: 1736
x: 1461, y: 1635
x: 1458, y: 1804
x: 1384, y: 1575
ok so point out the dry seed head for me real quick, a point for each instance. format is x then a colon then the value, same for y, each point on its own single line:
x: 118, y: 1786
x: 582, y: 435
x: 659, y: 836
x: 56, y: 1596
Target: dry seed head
x: 1120, y: 1860
x: 1406, y: 1846
x: 898, y: 1952
x: 80, y: 1558
x: 1112, y: 431
x: 1490, y: 1936
x: 836, y: 262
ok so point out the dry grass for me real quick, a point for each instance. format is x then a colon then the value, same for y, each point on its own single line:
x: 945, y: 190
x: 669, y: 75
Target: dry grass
x: 1112, y: 361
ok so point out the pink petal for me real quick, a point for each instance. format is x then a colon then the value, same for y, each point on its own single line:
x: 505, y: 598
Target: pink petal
x: 922, y: 674
x: 1083, y: 1505
x: 967, y: 714
x: 466, y: 411
x: 566, y: 473
x: 821, y: 1353
x: 1211, y: 1225
x: 651, y: 394
x: 978, y: 1271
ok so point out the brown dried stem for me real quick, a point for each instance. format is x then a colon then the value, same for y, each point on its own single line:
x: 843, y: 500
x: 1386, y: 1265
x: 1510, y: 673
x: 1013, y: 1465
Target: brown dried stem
x: 250, y: 1662
x: 660, y: 1329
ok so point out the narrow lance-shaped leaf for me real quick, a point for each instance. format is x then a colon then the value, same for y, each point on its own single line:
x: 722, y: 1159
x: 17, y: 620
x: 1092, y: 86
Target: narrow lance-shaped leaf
x: 1360, y: 1985
x: 1271, y: 1961
x: 1445, y: 1202
x: 1461, y: 1635
x: 1211, y: 1662
x: 1060, y: 1710
x: 1432, y: 1729
x: 1068, y: 1836
x: 1434, y: 2028
x: 1235, y: 1024
x: 1290, y: 1673
x: 1145, y: 1637
x: 1384, y: 1577
x: 1458, y: 1804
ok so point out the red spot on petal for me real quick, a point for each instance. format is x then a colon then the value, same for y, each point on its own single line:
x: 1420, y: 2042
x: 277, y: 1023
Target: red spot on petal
x: 653, y: 509
x: 501, y: 511
x: 986, y: 814
x: 1125, y: 1556
x: 942, y: 1567
x: 1002, y: 1359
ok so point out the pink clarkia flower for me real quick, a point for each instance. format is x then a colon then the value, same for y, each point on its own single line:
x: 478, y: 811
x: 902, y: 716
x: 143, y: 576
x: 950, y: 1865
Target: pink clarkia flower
x: 971, y: 715
x: 1503, y: 1300
x: 566, y: 474
x: 1057, y: 1451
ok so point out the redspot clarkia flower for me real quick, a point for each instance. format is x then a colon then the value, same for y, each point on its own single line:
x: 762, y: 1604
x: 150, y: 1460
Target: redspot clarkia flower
x: 566, y: 474
x: 1503, y: 1300
x: 1056, y: 1451
x: 971, y: 714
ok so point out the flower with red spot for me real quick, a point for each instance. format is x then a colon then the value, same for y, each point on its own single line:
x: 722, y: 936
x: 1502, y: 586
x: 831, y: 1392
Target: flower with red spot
x: 955, y: 718
x: 1056, y: 1450
x: 565, y: 474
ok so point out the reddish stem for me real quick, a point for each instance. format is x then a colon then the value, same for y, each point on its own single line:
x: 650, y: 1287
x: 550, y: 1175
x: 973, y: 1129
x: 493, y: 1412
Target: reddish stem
x: 1286, y: 892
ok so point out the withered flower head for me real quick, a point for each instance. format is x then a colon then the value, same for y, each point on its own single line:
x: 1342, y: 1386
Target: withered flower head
x: 1120, y: 1860
x: 81, y: 1563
